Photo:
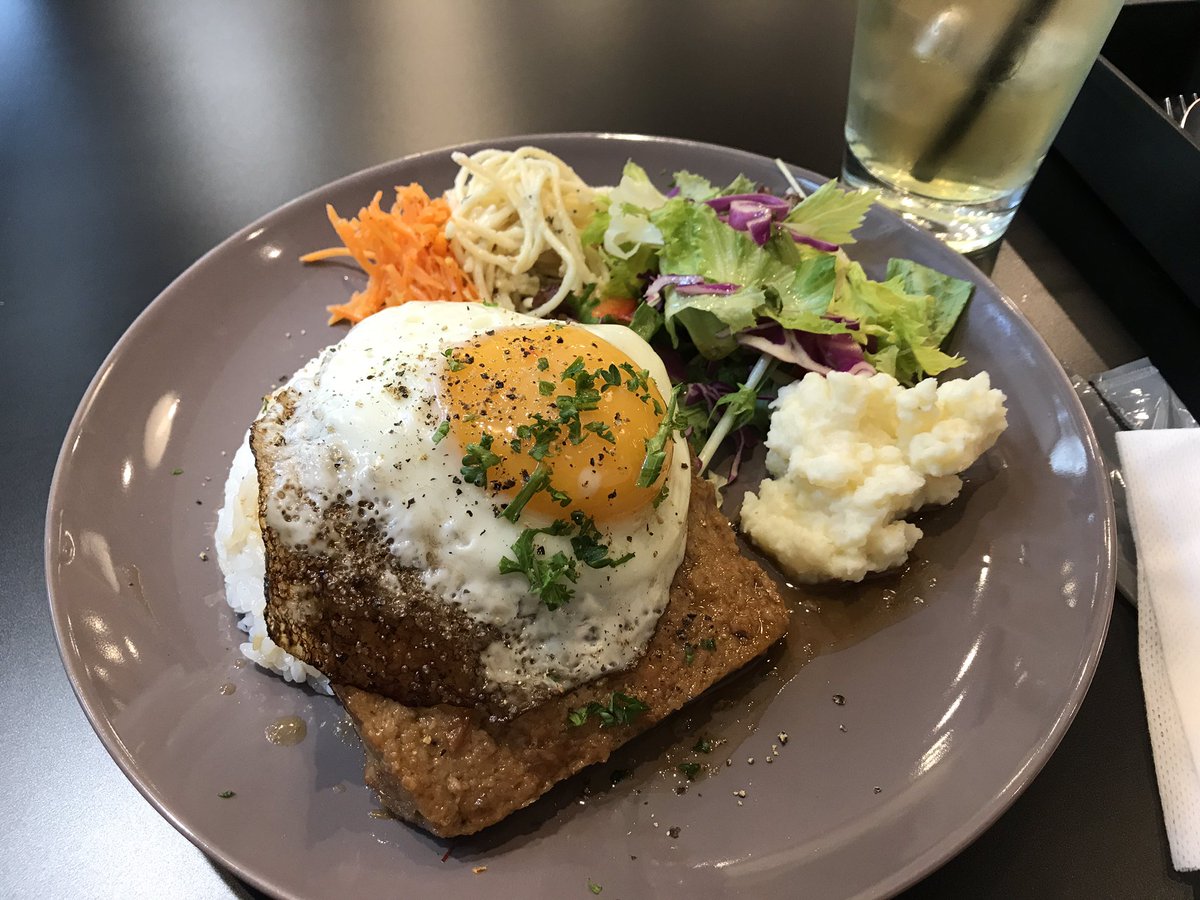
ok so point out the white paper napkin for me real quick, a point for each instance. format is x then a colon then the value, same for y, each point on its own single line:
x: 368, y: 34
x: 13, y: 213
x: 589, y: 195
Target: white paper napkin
x: 1162, y: 477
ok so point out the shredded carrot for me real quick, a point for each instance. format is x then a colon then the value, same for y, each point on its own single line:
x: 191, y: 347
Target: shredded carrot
x: 404, y: 252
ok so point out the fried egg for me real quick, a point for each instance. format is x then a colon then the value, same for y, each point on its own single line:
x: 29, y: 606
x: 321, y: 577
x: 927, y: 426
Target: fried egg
x: 440, y: 420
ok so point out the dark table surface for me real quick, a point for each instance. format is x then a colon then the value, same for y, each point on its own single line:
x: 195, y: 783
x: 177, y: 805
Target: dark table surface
x: 136, y: 135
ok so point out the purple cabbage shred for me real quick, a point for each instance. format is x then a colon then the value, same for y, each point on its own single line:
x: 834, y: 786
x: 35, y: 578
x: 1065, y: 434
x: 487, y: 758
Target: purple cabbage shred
x: 751, y: 213
x: 746, y: 438
x: 813, y: 242
x: 654, y: 289
x: 709, y: 287
x: 754, y: 213
x: 686, y: 284
x: 821, y: 353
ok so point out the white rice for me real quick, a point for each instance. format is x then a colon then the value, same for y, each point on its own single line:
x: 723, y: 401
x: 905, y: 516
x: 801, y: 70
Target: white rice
x: 242, y: 557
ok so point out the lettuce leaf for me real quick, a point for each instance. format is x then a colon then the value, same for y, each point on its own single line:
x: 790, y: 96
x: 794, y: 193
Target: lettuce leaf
x: 830, y: 214
x: 949, y: 294
x: 698, y: 189
x: 697, y: 242
x: 693, y: 187
x: 628, y: 240
x: 635, y: 190
x: 593, y: 234
x: 804, y: 280
x: 646, y: 321
x: 794, y: 286
x: 628, y: 226
x: 712, y: 320
x: 900, y: 323
x: 625, y: 275
x: 739, y: 185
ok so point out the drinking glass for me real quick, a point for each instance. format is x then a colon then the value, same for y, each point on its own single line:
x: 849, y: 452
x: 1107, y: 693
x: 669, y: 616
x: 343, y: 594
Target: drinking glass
x: 953, y: 105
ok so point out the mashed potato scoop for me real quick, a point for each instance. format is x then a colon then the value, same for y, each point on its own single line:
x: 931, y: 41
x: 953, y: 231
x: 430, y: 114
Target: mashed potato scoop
x: 849, y: 456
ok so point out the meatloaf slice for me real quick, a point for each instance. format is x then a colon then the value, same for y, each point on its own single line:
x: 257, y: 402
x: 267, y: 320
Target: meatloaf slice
x: 453, y: 771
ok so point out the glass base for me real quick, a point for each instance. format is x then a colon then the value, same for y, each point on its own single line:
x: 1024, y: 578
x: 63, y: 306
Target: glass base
x: 964, y: 227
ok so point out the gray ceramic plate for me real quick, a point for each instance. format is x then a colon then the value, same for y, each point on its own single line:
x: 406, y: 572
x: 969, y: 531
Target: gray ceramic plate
x: 958, y: 678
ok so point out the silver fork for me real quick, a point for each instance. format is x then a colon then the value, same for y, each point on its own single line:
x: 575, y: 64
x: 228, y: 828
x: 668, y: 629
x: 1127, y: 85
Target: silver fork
x: 1178, y: 107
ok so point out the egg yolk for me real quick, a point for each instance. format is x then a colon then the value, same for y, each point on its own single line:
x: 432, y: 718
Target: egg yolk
x: 522, y: 387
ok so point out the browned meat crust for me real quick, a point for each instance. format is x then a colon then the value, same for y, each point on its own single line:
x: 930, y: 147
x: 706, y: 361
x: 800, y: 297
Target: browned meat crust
x: 453, y: 772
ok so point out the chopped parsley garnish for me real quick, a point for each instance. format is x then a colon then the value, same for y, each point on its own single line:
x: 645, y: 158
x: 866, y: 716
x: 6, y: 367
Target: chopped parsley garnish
x: 562, y: 498
x: 589, y: 547
x: 543, y: 572
x: 478, y: 460
x: 539, y: 479
x: 639, y: 379
x: 570, y: 406
x: 574, y: 371
x: 542, y: 433
x: 593, y: 887
x: 586, y: 396
x: 545, y: 388
x: 548, y: 575
x: 543, y: 364
x: 689, y: 650
x: 656, y: 453
x: 225, y: 795
x: 600, y: 430
x: 177, y: 471
x: 621, y: 709
x: 454, y: 365
x: 610, y: 376
x: 690, y: 769
x: 442, y: 431
x: 704, y: 745
x: 663, y: 493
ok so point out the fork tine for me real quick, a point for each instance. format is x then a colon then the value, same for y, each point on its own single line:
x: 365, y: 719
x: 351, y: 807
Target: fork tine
x: 1177, y: 107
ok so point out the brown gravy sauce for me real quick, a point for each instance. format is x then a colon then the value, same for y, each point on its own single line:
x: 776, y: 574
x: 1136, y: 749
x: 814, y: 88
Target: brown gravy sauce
x: 824, y: 618
x: 830, y: 617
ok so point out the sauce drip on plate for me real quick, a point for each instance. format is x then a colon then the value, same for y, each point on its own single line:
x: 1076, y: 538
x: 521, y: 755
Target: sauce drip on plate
x: 287, y: 731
